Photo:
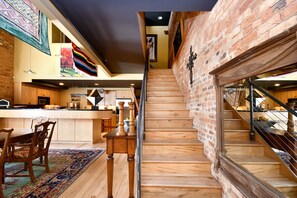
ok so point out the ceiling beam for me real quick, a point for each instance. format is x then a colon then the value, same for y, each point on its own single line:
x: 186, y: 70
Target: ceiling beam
x: 67, y: 28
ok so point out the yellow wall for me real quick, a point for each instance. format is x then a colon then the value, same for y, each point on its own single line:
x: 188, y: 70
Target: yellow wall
x: 48, y: 67
x: 162, y: 46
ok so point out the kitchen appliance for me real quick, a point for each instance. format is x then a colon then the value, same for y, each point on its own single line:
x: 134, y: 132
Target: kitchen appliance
x: 4, y: 104
x: 74, y: 105
x: 43, y: 100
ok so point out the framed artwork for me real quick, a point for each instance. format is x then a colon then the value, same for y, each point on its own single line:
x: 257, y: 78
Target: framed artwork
x: 151, y: 40
x: 178, y: 38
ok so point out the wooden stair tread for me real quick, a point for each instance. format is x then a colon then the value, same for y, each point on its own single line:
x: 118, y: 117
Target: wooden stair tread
x: 279, y: 181
x: 237, y: 130
x: 168, y: 118
x: 171, y: 130
x: 166, y: 102
x: 170, y: 110
x: 248, y: 159
x: 174, y: 142
x: 242, y: 143
x: 201, y: 159
x: 232, y: 119
x: 179, y: 181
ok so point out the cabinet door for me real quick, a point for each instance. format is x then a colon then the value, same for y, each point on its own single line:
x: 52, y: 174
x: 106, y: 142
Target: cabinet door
x: 124, y: 94
x: 53, y: 97
x: 43, y: 92
x: 29, y: 95
x: 110, y: 98
x: 292, y: 94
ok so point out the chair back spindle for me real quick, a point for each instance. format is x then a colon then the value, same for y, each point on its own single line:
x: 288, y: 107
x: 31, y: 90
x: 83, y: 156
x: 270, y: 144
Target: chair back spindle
x: 3, y: 152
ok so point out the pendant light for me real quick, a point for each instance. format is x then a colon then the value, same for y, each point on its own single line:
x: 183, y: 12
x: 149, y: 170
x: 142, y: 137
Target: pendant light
x: 60, y: 41
x: 30, y: 71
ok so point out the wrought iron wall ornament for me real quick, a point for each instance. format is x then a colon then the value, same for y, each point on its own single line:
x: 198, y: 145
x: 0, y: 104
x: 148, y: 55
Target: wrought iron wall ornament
x: 190, y: 64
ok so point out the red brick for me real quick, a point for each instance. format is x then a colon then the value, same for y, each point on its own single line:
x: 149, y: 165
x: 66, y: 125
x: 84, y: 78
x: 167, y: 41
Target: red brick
x: 6, y: 66
x: 290, y: 11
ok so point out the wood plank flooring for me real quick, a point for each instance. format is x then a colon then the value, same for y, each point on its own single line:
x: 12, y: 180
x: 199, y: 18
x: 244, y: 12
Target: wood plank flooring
x: 92, y: 183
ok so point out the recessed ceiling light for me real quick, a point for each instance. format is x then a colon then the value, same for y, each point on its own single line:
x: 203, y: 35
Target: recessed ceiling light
x: 96, y: 84
x: 160, y: 17
x: 277, y: 84
x: 61, y: 84
x: 132, y: 84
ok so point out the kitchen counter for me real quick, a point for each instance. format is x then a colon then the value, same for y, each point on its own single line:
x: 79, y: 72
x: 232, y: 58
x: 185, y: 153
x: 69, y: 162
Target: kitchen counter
x: 72, y: 125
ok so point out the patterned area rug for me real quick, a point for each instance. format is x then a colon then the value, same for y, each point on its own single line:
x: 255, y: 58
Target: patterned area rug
x: 65, y: 165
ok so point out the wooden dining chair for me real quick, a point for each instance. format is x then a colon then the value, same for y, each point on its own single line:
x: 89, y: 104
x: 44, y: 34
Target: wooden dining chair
x: 27, y: 152
x: 3, y: 152
x: 38, y: 120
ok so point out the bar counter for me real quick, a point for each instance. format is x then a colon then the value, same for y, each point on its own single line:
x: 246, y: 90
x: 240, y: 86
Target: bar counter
x: 72, y: 125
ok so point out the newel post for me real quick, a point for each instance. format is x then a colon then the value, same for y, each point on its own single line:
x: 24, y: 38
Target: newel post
x: 290, y: 123
x: 131, y: 119
x: 121, y: 131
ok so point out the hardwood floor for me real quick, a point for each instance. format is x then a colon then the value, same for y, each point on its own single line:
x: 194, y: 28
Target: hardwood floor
x: 92, y: 183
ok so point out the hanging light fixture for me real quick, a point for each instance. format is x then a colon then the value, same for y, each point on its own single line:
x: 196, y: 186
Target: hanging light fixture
x: 30, y: 71
x: 60, y: 40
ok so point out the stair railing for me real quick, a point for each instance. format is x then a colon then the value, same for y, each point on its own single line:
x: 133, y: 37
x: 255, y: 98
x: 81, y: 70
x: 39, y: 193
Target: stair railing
x: 277, y: 128
x: 140, y: 128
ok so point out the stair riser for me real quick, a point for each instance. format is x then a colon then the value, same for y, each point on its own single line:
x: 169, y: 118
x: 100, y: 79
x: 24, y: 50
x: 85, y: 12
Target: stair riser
x: 170, y: 135
x: 175, y: 168
x: 263, y: 169
x: 165, y: 99
x: 244, y: 150
x: 156, y: 81
x: 156, y: 77
x: 228, y: 115
x: 288, y: 191
x: 179, y: 106
x: 170, y: 192
x: 163, y: 124
x: 161, y: 84
x: 234, y: 136
x: 163, y: 88
x: 160, y: 71
x: 163, y: 93
x: 176, y: 150
x: 161, y: 76
x: 167, y: 114
x: 232, y: 124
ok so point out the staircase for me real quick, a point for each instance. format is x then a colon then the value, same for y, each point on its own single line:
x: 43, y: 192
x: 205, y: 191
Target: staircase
x: 256, y: 156
x: 173, y: 162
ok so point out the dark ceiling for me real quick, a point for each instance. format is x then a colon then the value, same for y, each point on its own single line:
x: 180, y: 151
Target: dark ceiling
x: 111, y: 26
x: 152, y: 18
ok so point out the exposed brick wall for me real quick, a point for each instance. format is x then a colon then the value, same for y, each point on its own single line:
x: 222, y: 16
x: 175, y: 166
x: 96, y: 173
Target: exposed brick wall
x: 6, y: 66
x: 231, y: 28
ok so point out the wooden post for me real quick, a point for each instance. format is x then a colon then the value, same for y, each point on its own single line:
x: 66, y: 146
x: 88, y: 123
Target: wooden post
x: 290, y: 123
x: 292, y: 140
x: 109, y: 174
x: 131, y: 121
x: 121, y: 131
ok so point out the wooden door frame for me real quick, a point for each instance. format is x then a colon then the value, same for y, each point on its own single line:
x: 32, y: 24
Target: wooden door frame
x: 276, y: 52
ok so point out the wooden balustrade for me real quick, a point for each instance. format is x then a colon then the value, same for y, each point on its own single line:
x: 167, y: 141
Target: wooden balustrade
x: 121, y: 131
x: 131, y: 120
